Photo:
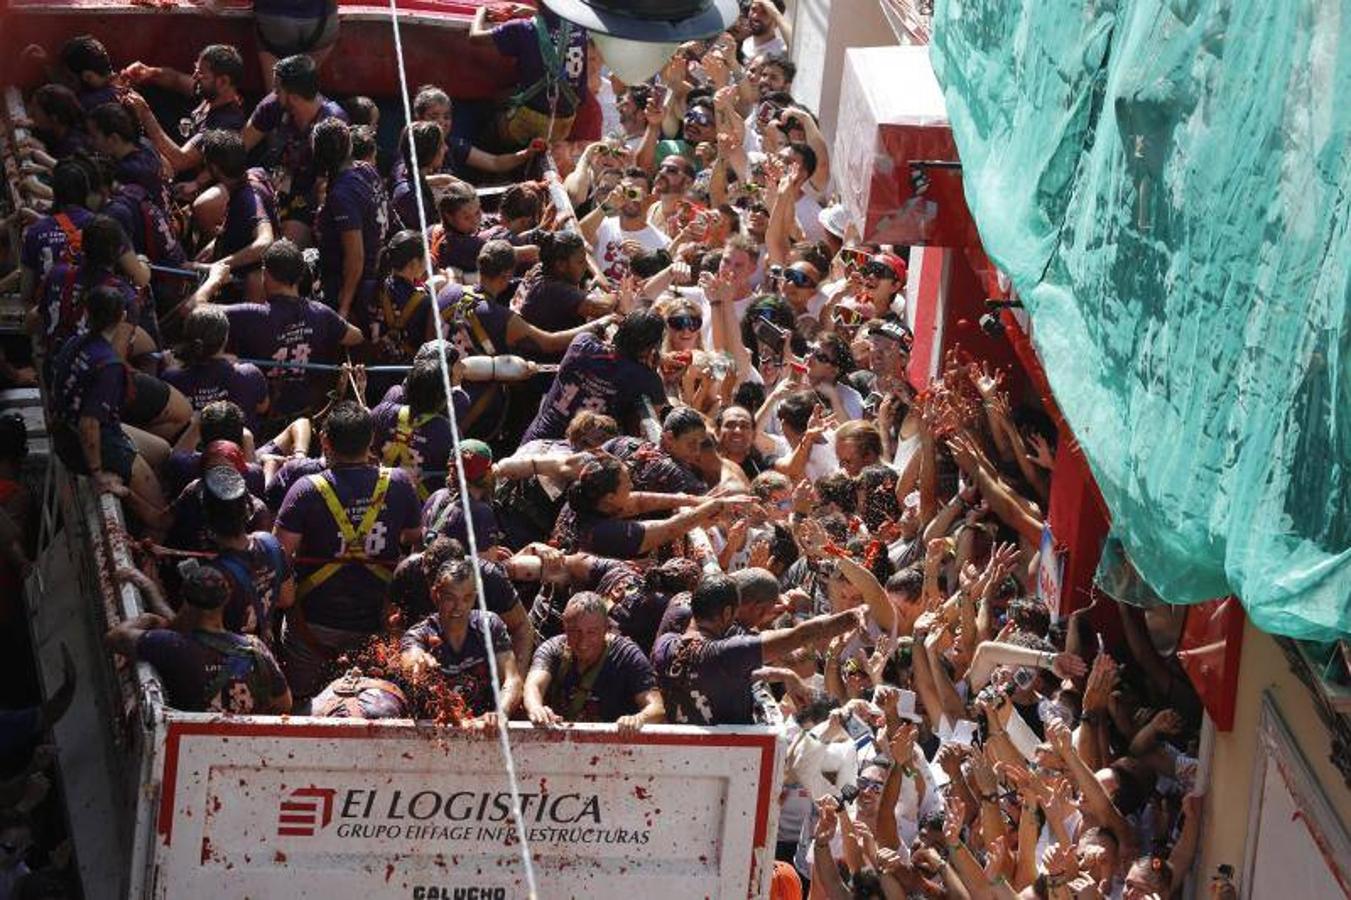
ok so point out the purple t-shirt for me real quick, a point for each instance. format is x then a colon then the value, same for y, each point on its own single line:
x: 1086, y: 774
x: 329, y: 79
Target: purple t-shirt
x: 400, y: 337
x: 518, y: 39
x: 428, y: 444
x: 707, y: 682
x: 251, y: 204
x: 290, y: 472
x: 624, y: 674
x: 552, y: 305
x: 213, y: 671
x: 353, y: 597
x: 226, y: 116
x: 92, y: 98
x: 593, y: 376
x: 145, y: 223
x: 249, y: 608
x: 466, y: 669
x: 453, y: 249
x: 91, y: 381
x: 444, y: 515
x: 288, y: 329
x: 60, y: 298
x: 45, y: 242
x: 409, y: 592
x: 143, y: 167
x: 652, y: 468
x: 290, y: 156
x: 635, y: 611
x: 355, y: 202
x: 219, y: 379
x: 601, y: 535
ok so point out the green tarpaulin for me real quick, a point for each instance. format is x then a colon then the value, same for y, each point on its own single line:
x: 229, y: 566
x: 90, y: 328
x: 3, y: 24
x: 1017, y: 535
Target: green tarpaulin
x: 1168, y: 185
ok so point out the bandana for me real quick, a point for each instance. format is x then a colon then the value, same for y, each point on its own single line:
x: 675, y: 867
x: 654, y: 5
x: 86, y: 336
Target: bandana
x: 477, y: 458
x: 226, y: 453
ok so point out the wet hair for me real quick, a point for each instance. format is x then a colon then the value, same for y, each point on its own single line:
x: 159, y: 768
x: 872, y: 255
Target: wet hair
x: 332, y: 140
x: 204, y: 586
x: 361, y: 110
x: 400, y: 250
x: 456, y: 570
x: 222, y: 420
x: 682, y: 420
x: 807, y: 155
x: 837, y: 488
x: 70, y: 184
x: 650, y: 262
x: 521, y: 201
x: 908, y: 581
x: 59, y: 103
x: 557, y: 247
x: 764, y: 485
x: 598, y: 479
x: 227, y: 518
x: 589, y: 429
x: 297, y: 75
x: 456, y: 197
x: 424, y: 389
x: 205, y: 332
x: 225, y: 150
x: 224, y: 61
x: 438, y: 552
x: 838, y: 350
x: 496, y: 258
x: 102, y: 241
x: 863, y: 434
x: 672, y: 577
x: 363, y: 143
x: 782, y: 63
x: 639, y: 94
x: 712, y: 596
x: 348, y: 428
x: 866, y: 885
x: 877, y: 484
x: 783, y: 549
x: 425, y: 139
x: 427, y: 96
x: 86, y: 53
x: 638, y: 173
x: 1030, y: 615
x: 1030, y: 641
x: 749, y: 395
x: 878, y: 561
x: 817, y: 253
x: 756, y: 586
x: 284, y: 262
x: 795, y: 410
x: 586, y: 603
x: 113, y: 119
x: 639, y: 333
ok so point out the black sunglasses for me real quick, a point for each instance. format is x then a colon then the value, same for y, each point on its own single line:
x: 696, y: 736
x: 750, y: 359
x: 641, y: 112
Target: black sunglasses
x: 798, y: 278
x: 685, y: 323
x: 879, y: 270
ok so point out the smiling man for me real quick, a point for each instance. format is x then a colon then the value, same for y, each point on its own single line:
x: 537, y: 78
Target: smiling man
x: 587, y: 674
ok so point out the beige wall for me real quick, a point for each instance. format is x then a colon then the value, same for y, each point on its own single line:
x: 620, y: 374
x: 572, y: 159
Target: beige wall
x: 822, y: 31
x: 1263, y: 667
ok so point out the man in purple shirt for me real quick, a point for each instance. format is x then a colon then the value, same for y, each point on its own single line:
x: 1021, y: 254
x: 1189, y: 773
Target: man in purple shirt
x: 288, y: 116
x: 345, y: 528
x: 250, y: 224
x: 204, y: 667
x: 705, y: 676
x: 612, y: 379
x: 287, y: 328
x: 415, y: 434
x: 550, y: 54
x: 114, y: 133
x: 351, y: 224
x: 85, y: 57
x: 450, y: 645
x: 587, y: 674
x: 668, y: 469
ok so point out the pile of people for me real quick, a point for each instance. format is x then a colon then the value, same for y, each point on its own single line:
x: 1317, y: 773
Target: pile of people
x: 700, y: 483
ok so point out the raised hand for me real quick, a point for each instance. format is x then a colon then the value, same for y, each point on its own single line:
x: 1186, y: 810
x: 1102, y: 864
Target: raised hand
x: 1068, y: 665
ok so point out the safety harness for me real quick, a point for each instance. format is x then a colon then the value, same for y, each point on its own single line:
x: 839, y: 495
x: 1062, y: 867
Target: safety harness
x: 354, y: 539
x: 553, y: 82
x: 394, y: 342
x: 398, y: 449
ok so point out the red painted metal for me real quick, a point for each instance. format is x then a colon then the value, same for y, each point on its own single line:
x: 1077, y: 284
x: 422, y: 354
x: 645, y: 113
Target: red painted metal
x: 435, y: 34
x: 1210, y: 650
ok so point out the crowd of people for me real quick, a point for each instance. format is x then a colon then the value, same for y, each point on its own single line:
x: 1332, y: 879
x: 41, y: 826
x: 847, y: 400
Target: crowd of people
x: 657, y: 458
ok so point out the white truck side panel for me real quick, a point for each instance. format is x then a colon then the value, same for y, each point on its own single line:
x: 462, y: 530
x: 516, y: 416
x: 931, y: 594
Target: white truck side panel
x: 308, y: 808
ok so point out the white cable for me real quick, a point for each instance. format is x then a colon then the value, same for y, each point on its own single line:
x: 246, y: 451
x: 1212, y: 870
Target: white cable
x: 504, y: 741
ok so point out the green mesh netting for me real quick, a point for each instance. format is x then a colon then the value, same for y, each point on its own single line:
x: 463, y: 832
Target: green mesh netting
x: 1168, y: 185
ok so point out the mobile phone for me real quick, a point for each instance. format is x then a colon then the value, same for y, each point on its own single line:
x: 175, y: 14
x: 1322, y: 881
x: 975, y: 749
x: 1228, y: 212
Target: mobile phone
x: 660, y: 93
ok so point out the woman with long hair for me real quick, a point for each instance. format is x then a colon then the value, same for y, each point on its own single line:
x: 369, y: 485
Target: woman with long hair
x: 204, y: 374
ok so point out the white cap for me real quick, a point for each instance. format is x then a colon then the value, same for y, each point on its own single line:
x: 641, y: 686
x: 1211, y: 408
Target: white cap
x: 834, y: 219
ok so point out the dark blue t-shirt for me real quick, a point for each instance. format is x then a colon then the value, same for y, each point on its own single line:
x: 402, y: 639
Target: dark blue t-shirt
x: 593, y: 376
x: 465, y: 670
x: 707, y: 682
x: 355, y: 202
x: 624, y: 674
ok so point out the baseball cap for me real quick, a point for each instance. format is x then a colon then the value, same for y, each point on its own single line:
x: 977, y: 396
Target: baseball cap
x: 225, y: 453
x: 477, y: 458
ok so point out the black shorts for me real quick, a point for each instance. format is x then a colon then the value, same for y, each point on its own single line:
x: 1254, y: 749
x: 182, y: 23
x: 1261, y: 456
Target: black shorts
x: 116, y: 450
x: 285, y: 36
x: 148, y: 398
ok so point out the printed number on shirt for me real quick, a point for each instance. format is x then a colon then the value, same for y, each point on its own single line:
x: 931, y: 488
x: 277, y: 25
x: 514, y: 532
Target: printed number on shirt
x: 564, y: 402
x: 373, y: 545
x: 700, y: 703
x: 300, y: 353
x: 575, y: 61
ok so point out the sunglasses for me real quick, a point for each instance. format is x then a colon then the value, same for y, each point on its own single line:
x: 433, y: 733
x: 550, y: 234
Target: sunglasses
x: 868, y: 785
x: 823, y: 356
x: 847, y: 315
x: 876, y: 269
x: 798, y: 278
x: 698, y: 117
x: 610, y: 150
x: 854, y: 260
x: 685, y: 323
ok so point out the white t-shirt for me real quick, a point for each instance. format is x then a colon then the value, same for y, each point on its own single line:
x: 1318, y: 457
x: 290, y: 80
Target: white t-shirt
x: 750, y: 49
x: 706, y: 313
x: 820, y: 463
x: 610, y: 238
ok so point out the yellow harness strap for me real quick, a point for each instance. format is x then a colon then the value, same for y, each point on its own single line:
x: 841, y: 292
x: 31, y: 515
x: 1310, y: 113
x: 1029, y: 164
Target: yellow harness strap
x: 354, y: 539
x: 399, y: 451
